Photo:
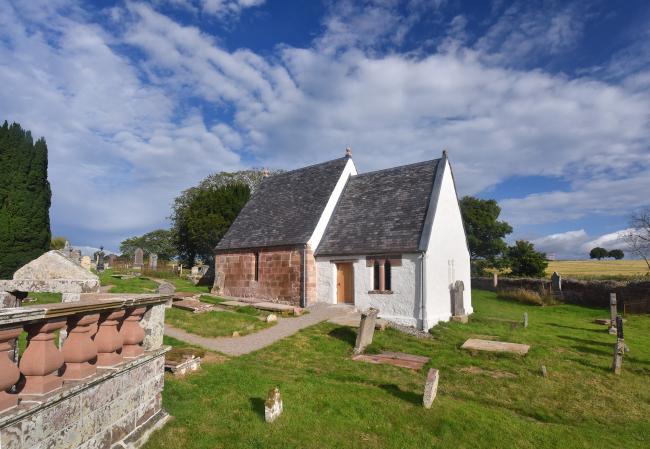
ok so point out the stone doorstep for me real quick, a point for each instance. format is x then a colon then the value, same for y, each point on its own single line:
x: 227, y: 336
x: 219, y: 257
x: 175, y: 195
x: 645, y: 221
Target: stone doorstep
x: 475, y: 344
x: 71, y: 388
x: 414, y: 362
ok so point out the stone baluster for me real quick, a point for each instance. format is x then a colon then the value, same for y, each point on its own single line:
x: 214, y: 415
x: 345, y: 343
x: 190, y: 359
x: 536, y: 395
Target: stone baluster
x: 9, y: 373
x: 42, y: 359
x: 79, y: 350
x: 108, y: 339
x: 132, y: 333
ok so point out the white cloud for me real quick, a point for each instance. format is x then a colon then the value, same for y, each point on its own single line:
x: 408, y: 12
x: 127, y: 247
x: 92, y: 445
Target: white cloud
x: 577, y: 244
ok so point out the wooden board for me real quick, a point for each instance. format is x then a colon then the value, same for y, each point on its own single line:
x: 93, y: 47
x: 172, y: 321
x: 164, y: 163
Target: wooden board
x: 475, y: 344
x: 399, y: 359
x: 344, y: 283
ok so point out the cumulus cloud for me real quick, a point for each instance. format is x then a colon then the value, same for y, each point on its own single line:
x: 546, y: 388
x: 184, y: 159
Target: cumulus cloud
x: 577, y: 244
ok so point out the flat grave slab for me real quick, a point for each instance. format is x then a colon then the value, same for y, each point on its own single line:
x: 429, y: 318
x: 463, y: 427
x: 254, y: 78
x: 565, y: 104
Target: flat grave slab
x: 234, y: 303
x: 273, y: 307
x: 476, y: 344
x: 193, y: 305
x: 398, y: 359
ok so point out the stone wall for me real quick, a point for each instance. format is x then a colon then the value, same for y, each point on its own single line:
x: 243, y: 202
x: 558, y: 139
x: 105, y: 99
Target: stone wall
x: 633, y: 296
x: 117, y: 408
x: 279, y: 274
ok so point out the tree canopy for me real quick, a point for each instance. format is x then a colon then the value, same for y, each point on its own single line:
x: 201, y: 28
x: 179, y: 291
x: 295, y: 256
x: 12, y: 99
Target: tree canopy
x: 598, y: 253
x: 638, y: 237
x: 58, y: 242
x: 525, y: 261
x: 485, y: 233
x: 617, y: 254
x: 160, y: 241
x: 25, y: 198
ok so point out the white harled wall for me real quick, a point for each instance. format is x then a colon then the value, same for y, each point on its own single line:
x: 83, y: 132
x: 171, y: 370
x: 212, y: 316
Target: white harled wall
x: 447, y: 256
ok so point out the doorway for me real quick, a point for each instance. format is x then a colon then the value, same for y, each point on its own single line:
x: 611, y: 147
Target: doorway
x: 344, y: 283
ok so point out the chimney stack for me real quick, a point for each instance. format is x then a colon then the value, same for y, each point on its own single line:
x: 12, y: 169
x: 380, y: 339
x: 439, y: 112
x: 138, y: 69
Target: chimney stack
x: 444, y: 153
x: 348, y: 152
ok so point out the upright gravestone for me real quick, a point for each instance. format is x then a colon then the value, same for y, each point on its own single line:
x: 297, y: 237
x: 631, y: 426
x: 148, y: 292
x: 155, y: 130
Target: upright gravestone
x: 100, y: 259
x: 457, y: 302
x: 166, y: 288
x: 612, y: 313
x: 556, y: 284
x: 366, y: 330
x: 273, y: 405
x: 619, y: 349
x: 153, y: 261
x: 430, y: 388
x: 138, y: 257
x: 495, y: 279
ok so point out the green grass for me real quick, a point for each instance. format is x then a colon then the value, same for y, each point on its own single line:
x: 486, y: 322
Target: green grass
x: 216, y: 323
x: 45, y: 298
x: 332, y: 402
x: 183, y: 285
x: 132, y: 285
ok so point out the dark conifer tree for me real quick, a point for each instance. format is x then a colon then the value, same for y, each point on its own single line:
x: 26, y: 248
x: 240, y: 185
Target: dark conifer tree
x: 25, y: 198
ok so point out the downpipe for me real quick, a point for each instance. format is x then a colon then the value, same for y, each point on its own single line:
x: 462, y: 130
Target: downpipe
x: 423, y: 290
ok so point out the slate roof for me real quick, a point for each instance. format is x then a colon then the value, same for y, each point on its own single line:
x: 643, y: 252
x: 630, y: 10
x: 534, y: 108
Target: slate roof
x: 381, y: 212
x: 285, y: 209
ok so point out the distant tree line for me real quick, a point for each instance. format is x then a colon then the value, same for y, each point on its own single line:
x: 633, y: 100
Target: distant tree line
x: 25, y: 198
x: 601, y: 253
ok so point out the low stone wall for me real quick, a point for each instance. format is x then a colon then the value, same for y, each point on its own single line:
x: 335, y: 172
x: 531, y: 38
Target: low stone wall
x: 632, y: 296
x: 111, y: 411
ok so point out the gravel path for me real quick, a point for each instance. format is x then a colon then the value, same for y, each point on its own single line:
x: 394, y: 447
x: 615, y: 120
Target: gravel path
x: 285, y: 327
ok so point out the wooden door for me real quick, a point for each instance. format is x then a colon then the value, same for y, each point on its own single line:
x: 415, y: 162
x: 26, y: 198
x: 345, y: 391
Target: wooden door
x: 344, y: 283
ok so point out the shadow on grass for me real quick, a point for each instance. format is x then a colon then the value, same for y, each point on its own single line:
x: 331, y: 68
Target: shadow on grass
x: 407, y: 396
x: 588, y: 350
x: 586, y: 341
x: 345, y: 334
x: 257, y: 404
x: 588, y: 329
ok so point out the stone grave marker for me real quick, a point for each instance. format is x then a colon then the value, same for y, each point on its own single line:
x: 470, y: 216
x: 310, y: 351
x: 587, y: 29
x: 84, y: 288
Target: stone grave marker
x: 75, y: 255
x: 138, y: 257
x: 219, y: 282
x: 430, y: 388
x: 153, y: 261
x: 525, y: 319
x: 166, y: 288
x: 495, y: 279
x: 273, y: 405
x: 85, y: 262
x: 613, y: 313
x: 100, y: 259
x: 366, y: 330
x: 457, y: 302
x: 556, y: 284
x: 619, y: 349
x: 543, y: 371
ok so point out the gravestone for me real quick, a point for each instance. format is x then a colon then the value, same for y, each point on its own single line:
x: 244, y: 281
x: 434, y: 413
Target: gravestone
x: 153, y: 261
x: 612, y: 313
x: 100, y: 259
x: 543, y: 371
x: 366, y: 330
x: 273, y: 405
x: 85, y: 262
x: 67, y: 249
x: 219, y: 282
x: 556, y: 284
x: 619, y: 349
x: 75, y: 255
x: 457, y: 302
x: 430, y: 388
x: 525, y: 319
x: 166, y: 288
x: 138, y: 257
x: 495, y: 279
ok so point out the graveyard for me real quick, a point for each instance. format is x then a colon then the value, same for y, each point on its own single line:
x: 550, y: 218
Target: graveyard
x: 484, y: 399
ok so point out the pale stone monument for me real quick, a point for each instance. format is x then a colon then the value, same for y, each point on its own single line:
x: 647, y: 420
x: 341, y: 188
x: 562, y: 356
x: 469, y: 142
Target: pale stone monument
x: 619, y: 349
x: 525, y: 319
x: 273, y: 405
x: 457, y: 302
x: 556, y: 284
x: 430, y: 388
x: 612, y: 313
x: 75, y: 256
x: 153, y: 261
x: 166, y: 288
x: 99, y: 263
x: 138, y: 257
x: 366, y: 330
x: 85, y: 262
x: 495, y: 279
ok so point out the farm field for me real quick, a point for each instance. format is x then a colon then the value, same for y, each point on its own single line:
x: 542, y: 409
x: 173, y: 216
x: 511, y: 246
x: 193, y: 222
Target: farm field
x: 598, y: 268
x: 483, y: 401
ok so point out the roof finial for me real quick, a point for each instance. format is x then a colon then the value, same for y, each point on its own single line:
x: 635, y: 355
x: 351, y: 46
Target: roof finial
x: 265, y: 173
x: 348, y: 151
x: 444, y: 153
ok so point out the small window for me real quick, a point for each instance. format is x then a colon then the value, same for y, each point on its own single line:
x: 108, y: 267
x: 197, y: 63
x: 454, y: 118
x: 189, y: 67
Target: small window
x: 257, y: 266
x: 387, y: 275
x: 376, y: 275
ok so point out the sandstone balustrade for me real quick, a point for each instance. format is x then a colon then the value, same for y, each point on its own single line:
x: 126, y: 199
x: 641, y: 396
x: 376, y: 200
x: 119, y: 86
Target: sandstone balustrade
x: 104, y: 331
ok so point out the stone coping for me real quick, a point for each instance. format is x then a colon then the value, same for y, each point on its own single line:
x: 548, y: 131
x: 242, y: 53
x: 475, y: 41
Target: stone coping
x: 50, y: 285
x: 91, y: 302
x: 28, y: 406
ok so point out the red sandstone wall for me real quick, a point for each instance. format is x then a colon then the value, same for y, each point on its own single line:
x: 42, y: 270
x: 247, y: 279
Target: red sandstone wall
x: 280, y: 271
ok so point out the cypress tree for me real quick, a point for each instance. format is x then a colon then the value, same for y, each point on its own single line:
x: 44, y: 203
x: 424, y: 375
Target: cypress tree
x: 25, y: 198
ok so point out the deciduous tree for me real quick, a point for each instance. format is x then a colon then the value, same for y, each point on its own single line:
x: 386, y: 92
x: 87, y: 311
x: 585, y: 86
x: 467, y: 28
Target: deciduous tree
x: 160, y: 241
x: 598, y: 253
x: 638, y: 237
x: 525, y: 261
x: 617, y: 254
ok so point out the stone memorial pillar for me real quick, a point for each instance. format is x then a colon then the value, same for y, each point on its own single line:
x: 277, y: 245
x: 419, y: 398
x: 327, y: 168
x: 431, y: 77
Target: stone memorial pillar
x: 366, y: 330
x: 457, y: 302
x: 612, y: 313
x: 138, y: 257
x: 495, y: 280
x: 556, y: 284
x: 619, y: 349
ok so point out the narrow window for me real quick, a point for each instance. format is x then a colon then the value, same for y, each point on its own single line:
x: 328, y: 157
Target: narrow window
x: 376, y: 275
x: 257, y: 266
x: 387, y: 275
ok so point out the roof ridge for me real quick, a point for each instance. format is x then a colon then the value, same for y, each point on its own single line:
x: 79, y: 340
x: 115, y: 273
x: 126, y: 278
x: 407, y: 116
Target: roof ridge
x: 306, y: 166
x: 399, y: 167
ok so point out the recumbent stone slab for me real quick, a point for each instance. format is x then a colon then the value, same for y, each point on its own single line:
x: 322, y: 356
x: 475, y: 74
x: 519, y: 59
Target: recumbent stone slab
x: 475, y: 344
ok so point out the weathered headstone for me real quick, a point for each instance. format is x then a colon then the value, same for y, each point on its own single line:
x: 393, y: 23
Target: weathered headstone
x: 556, y: 284
x: 495, y: 279
x: 543, y: 371
x: 85, y: 262
x: 153, y: 261
x: 273, y: 405
x: 457, y: 302
x: 100, y: 259
x: 138, y: 257
x: 366, y: 330
x: 75, y: 255
x: 619, y: 349
x: 430, y: 388
x: 525, y: 319
x: 219, y: 282
x: 612, y: 313
x: 166, y: 288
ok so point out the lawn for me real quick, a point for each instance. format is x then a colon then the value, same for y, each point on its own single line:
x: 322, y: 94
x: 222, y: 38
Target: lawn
x: 144, y: 284
x: 599, y: 269
x: 484, y: 401
x: 218, y: 323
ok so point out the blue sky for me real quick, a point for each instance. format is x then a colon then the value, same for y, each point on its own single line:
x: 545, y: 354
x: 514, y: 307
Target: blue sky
x: 544, y: 106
